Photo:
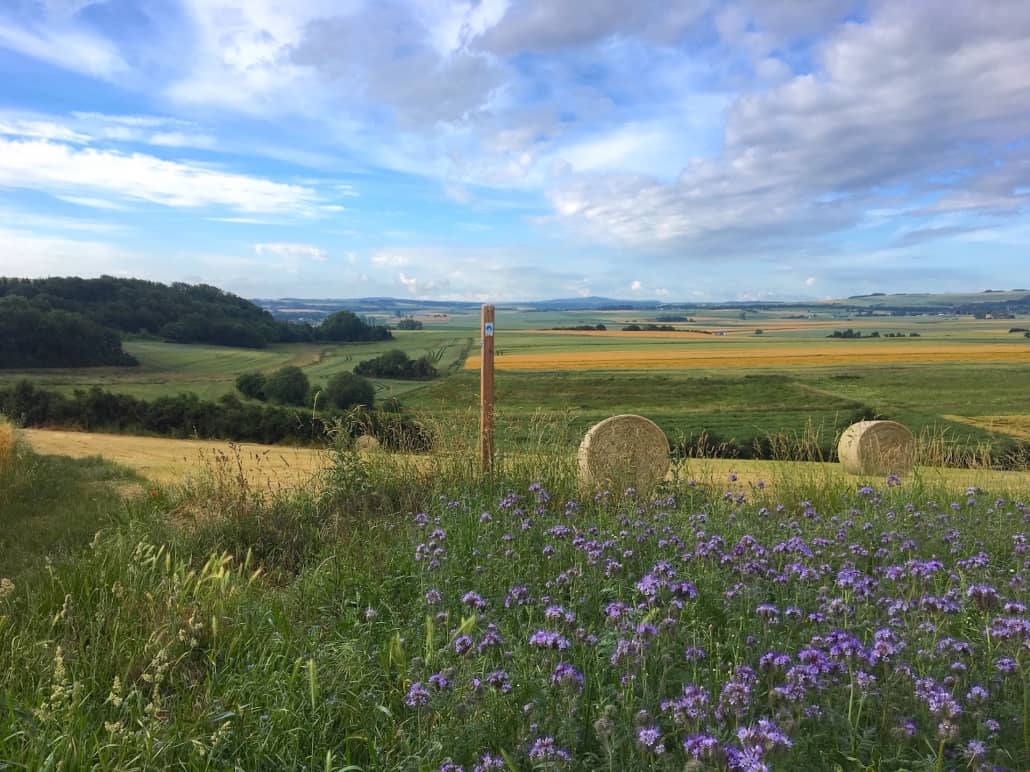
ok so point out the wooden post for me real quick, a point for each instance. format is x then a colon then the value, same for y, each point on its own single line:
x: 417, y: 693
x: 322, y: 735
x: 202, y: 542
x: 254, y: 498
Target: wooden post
x: 486, y: 392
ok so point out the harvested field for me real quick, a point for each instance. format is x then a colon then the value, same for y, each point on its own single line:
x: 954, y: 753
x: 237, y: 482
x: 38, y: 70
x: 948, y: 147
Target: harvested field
x: 171, y: 461
x: 1017, y: 426
x: 780, y: 355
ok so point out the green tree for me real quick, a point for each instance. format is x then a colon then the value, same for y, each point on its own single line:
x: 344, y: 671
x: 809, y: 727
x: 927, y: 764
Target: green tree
x: 346, y: 325
x: 345, y: 390
x: 287, y: 385
x: 251, y: 385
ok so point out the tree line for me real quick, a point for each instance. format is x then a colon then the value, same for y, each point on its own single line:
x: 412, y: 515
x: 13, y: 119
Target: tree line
x: 74, y: 322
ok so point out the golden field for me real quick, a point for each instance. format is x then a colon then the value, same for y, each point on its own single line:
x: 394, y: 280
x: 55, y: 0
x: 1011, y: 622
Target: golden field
x: 828, y: 353
x: 171, y: 462
x: 1013, y: 425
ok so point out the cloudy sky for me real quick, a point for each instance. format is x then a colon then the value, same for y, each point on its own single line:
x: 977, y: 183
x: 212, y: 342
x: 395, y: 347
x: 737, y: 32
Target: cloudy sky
x: 512, y: 149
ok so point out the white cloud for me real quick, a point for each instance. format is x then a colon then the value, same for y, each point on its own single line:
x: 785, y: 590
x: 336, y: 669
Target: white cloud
x: 94, y: 203
x: 635, y: 286
x: 292, y: 251
x: 410, y: 282
x: 66, y: 47
x: 900, y: 99
x: 393, y: 259
x: 65, y: 170
x: 810, y: 281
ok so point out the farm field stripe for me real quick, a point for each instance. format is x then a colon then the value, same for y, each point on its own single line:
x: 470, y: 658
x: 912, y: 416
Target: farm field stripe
x: 1013, y: 425
x: 800, y: 356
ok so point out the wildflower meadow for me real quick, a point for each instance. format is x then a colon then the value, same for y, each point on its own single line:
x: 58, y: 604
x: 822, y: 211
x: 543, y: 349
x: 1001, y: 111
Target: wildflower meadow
x: 436, y: 621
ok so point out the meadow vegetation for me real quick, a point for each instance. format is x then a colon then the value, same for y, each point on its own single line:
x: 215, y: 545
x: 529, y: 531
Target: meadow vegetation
x: 408, y: 613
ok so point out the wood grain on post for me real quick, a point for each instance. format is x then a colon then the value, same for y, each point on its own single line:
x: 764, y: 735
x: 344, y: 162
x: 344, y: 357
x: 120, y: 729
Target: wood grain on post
x: 486, y: 391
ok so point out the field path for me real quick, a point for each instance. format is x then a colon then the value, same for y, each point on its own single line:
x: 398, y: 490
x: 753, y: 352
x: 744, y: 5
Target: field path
x: 170, y: 461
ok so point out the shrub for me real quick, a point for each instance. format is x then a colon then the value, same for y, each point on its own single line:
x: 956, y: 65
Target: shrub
x: 287, y: 385
x: 397, y: 364
x: 251, y: 385
x: 345, y: 390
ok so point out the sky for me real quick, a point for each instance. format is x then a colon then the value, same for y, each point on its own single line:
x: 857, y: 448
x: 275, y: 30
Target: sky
x: 675, y: 150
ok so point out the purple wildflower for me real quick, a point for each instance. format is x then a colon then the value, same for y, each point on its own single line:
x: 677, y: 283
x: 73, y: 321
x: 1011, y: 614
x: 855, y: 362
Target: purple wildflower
x: 417, y: 696
x: 545, y: 749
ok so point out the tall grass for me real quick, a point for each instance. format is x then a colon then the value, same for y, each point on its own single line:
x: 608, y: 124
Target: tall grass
x: 406, y: 612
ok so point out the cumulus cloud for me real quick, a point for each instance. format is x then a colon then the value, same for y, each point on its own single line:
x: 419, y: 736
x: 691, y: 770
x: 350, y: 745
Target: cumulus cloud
x: 543, y: 25
x: 635, y: 285
x: 898, y: 100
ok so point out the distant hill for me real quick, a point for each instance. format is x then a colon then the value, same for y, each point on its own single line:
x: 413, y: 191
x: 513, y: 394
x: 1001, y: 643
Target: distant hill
x: 990, y: 301
x: 75, y: 322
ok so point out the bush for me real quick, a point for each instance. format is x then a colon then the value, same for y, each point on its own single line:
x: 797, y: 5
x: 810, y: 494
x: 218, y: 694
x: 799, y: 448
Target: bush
x: 409, y: 324
x: 397, y: 364
x: 251, y: 385
x: 287, y: 385
x: 345, y: 390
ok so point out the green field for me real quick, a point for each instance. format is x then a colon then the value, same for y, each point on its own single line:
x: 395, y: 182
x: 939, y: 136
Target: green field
x: 741, y: 388
x: 210, y: 371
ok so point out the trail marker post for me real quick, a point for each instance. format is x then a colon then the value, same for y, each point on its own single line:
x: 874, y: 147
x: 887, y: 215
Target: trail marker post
x: 486, y: 392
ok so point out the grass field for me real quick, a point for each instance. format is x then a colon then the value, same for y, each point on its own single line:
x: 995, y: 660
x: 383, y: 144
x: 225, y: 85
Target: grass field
x: 960, y: 379
x: 210, y: 371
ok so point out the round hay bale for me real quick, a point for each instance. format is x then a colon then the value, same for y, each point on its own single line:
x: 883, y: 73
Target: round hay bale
x: 624, y: 451
x: 877, y: 447
x: 366, y: 442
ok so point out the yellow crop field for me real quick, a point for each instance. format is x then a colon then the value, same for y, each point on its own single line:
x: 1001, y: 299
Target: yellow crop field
x: 171, y: 461
x: 1013, y: 425
x: 814, y: 354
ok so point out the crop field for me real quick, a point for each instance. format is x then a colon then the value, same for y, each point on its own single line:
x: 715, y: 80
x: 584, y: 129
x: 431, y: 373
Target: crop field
x: 713, y: 377
x: 173, y: 462
x: 772, y: 355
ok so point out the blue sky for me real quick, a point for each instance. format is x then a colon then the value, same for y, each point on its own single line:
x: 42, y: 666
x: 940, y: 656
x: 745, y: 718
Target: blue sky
x: 507, y: 149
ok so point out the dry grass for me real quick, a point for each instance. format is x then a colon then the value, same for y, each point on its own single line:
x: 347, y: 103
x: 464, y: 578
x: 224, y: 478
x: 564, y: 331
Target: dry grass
x: 780, y: 355
x: 1017, y: 426
x: 174, y: 461
x: 7, y: 440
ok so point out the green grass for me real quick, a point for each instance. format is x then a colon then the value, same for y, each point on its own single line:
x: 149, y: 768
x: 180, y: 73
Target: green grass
x: 739, y: 406
x: 50, y: 506
x: 168, y: 369
x: 226, y: 627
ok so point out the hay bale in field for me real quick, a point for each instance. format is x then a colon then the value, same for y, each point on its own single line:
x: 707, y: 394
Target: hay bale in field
x: 6, y: 443
x: 624, y: 451
x: 877, y: 447
x: 366, y: 442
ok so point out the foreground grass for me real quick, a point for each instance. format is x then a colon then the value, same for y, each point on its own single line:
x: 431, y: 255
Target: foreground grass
x: 424, y: 619
x: 53, y: 505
